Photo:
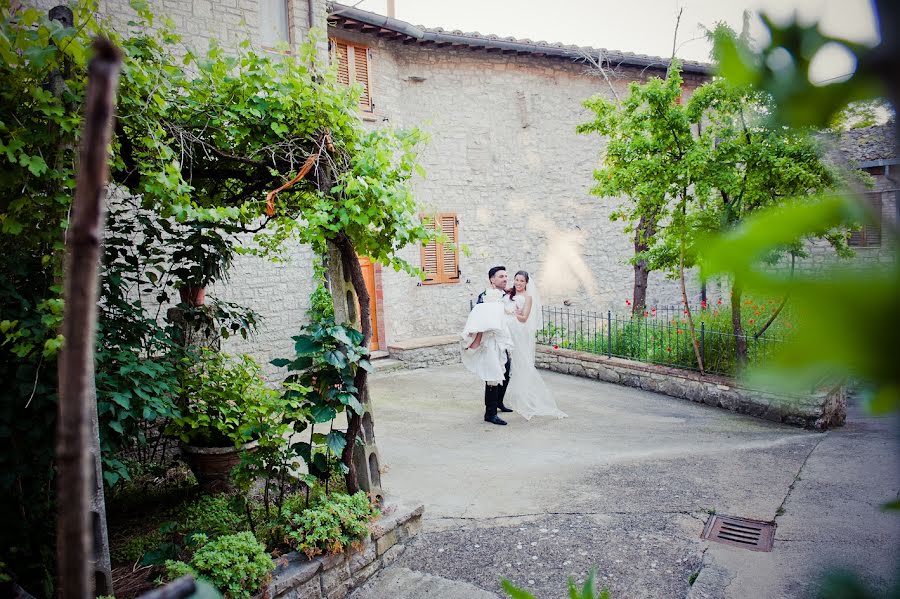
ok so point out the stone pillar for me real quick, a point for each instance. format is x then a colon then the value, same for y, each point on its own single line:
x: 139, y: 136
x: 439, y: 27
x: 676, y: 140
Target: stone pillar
x: 346, y: 311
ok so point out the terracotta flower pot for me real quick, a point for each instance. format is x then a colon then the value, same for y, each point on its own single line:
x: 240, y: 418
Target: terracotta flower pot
x: 213, y: 465
x: 192, y: 296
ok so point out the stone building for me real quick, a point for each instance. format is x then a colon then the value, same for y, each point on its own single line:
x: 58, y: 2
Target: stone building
x: 507, y: 175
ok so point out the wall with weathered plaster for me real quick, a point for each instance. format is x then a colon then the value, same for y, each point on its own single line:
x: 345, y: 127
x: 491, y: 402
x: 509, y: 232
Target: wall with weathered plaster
x: 505, y: 157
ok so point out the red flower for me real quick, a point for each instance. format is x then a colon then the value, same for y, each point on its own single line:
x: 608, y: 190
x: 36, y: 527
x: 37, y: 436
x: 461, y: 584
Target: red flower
x: 627, y: 302
x: 685, y: 312
x: 720, y: 301
x: 555, y: 347
x: 703, y: 304
x: 653, y: 310
x: 752, y: 321
x: 669, y: 349
x: 646, y: 313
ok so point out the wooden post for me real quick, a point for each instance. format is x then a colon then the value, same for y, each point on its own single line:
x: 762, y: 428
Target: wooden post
x: 73, y: 442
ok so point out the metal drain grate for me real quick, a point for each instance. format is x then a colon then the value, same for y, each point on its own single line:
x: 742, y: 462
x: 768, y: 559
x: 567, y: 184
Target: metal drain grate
x: 740, y: 532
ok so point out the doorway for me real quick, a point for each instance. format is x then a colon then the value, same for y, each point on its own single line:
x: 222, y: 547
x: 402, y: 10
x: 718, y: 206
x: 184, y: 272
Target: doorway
x: 368, y: 270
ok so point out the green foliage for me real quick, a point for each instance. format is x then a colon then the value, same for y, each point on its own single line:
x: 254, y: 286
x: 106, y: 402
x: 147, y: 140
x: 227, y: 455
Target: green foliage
x: 781, y: 69
x: 224, y: 400
x: 663, y: 337
x: 588, y: 591
x: 212, y: 515
x: 200, y: 137
x: 333, y: 525
x: 864, y: 113
x: 321, y: 304
x: 327, y: 358
x: 276, y: 460
x: 134, y: 548
x: 236, y: 564
x: 696, y: 168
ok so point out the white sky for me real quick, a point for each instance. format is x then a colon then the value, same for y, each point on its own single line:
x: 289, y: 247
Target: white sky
x: 642, y: 26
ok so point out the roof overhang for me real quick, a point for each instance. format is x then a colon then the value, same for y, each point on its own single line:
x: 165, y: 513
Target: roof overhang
x: 355, y: 19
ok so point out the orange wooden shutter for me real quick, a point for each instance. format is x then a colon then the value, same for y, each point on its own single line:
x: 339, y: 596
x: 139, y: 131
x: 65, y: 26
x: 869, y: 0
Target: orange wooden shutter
x: 341, y: 55
x: 430, y: 258
x: 440, y: 261
x: 449, y: 253
x: 361, y: 76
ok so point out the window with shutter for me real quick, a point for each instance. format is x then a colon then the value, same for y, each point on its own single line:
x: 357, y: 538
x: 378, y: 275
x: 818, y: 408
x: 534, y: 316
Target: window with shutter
x: 353, y: 64
x: 869, y: 235
x: 440, y: 261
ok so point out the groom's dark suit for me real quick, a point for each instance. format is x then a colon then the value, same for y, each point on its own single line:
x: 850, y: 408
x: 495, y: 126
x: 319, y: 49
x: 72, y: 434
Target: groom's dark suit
x: 493, y: 394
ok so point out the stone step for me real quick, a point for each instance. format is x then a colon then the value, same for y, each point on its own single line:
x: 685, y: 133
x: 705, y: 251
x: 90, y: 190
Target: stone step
x: 403, y: 583
x: 378, y: 354
x: 383, y: 365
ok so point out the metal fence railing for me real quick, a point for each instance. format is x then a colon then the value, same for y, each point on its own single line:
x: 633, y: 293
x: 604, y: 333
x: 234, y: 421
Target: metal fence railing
x: 661, y: 336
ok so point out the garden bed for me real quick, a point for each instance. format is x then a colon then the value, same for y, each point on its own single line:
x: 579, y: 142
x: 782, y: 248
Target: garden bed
x: 820, y: 410
x: 298, y: 577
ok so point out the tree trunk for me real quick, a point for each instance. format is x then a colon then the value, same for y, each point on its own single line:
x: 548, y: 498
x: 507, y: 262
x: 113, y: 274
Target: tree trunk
x: 643, y: 234
x: 739, y: 341
x: 75, y: 549
x: 351, y: 266
x: 687, y: 309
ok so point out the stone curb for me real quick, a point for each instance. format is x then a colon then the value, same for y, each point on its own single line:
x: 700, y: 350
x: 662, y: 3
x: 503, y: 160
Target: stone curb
x: 332, y: 576
x: 820, y: 410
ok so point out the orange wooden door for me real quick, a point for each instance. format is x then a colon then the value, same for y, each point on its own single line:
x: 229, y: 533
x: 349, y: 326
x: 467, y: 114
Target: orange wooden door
x: 368, y: 270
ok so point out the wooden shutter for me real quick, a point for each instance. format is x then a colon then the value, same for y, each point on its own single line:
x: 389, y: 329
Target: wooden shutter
x: 449, y: 253
x: 341, y: 56
x: 353, y: 67
x: 361, y: 76
x: 430, y: 257
x: 440, y: 261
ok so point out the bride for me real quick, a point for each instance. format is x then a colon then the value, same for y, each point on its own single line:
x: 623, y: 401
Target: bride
x: 526, y: 393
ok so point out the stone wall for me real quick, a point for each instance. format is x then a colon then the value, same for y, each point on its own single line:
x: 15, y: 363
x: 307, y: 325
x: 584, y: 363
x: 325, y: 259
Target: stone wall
x: 504, y: 156
x: 427, y: 351
x: 230, y: 22
x: 333, y: 576
x: 278, y: 292
x: 820, y: 410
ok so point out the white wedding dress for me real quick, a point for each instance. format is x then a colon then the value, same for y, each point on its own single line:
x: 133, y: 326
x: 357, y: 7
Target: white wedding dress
x: 527, y: 393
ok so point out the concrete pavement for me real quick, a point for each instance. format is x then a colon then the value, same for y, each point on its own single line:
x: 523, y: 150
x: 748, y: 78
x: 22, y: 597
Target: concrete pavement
x: 625, y: 485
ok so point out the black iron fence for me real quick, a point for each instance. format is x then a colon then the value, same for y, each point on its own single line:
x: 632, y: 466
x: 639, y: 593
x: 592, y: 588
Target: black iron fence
x: 660, y: 336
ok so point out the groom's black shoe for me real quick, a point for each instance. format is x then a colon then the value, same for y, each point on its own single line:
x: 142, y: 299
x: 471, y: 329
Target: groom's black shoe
x: 503, y: 408
x: 496, y: 420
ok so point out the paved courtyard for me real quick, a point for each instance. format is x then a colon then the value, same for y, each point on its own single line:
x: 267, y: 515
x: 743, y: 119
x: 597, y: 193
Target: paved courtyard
x: 625, y: 484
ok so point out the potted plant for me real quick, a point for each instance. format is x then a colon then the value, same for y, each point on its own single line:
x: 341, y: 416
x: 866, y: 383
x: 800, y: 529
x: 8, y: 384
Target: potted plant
x: 223, y: 401
x: 203, y: 256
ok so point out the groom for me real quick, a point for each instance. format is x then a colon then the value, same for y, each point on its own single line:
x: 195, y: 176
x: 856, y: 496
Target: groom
x: 493, y: 394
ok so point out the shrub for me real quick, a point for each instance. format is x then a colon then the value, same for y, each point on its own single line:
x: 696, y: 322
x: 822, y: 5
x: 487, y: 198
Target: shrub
x: 236, y: 564
x: 333, y: 525
x: 212, y: 515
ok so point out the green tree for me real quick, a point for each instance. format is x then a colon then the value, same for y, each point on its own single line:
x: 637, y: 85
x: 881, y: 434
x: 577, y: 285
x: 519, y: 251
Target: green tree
x: 695, y: 168
x: 649, y: 140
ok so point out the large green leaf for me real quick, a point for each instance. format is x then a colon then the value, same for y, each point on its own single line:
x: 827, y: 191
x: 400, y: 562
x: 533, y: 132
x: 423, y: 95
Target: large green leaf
x: 322, y: 413
x: 336, y: 441
x: 336, y: 358
x: 305, y: 346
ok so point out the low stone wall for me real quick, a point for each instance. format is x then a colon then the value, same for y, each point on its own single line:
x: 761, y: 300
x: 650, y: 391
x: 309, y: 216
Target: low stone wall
x: 333, y: 576
x: 825, y: 408
x: 425, y: 352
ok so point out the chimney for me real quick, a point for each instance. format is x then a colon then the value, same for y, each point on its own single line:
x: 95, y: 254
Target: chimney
x: 392, y: 9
